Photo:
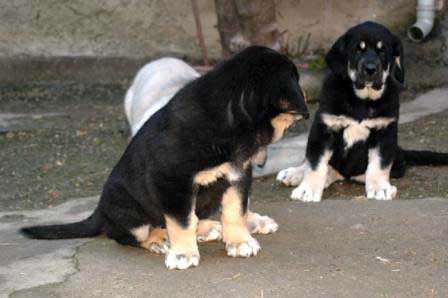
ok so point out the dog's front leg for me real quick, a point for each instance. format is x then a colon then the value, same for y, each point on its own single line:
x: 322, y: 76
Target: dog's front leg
x: 235, y: 233
x: 183, y: 252
x: 318, y: 154
x: 381, y: 157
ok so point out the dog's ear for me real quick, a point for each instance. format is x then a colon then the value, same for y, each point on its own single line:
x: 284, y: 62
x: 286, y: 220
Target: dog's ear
x: 337, y: 56
x: 289, y: 98
x: 397, y: 67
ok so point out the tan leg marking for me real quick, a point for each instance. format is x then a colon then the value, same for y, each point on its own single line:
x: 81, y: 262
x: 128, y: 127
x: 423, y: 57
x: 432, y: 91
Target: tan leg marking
x: 259, y: 224
x: 209, y: 230
x: 157, y: 242
x: 209, y: 176
x: 281, y: 123
x: 359, y: 178
x: 183, y: 252
x: 235, y: 233
x: 332, y: 177
x: 140, y: 233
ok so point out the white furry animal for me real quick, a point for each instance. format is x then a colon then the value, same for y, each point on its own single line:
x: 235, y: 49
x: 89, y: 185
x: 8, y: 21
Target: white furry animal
x: 153, y: 87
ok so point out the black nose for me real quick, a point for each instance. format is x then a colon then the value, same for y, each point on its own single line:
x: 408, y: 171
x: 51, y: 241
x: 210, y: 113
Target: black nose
x: 370, y: 69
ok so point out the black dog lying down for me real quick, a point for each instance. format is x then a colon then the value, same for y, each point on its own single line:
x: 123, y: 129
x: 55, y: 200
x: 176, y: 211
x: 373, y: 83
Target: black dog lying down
x: 354, y: 133
x: 194, y: 156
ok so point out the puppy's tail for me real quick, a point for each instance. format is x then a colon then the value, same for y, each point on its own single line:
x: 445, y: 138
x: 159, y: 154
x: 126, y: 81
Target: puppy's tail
x: 424, y: 158
x: 89, y: 227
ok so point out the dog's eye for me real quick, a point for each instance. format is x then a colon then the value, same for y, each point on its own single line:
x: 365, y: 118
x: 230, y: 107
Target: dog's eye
x: 379, y: 45
x: 361, y: 46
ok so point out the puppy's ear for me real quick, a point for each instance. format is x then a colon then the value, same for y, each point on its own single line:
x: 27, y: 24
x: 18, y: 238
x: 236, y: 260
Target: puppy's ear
x: 337, y: 56
x: 397, y: 67
x: 290, y: 98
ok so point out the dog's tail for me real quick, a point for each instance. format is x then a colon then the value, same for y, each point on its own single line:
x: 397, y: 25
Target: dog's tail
x: 424, y: 158
x: 89, y: 227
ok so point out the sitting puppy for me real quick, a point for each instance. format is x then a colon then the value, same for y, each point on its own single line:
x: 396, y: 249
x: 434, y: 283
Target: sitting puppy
x: 354, y: 133
x: 152, y: 88
x: 193, y: 156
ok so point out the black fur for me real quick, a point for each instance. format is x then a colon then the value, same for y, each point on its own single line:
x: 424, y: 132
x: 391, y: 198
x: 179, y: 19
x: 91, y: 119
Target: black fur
x: 223, y: 116
x: 338, y: 98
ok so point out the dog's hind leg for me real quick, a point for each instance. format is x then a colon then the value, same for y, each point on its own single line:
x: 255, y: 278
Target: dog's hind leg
x: 291, y: 176
x: 332, y: 177
x: 294, y: 175
x: 157, y: 241
x: 209, y: 230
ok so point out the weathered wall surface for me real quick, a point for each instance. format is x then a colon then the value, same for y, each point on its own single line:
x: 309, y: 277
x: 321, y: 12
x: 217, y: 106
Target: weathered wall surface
x: 148, y: 28
x: 107, y: 28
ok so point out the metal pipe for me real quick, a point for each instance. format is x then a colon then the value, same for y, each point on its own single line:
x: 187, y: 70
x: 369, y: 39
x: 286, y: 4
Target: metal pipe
x: 199, y: 33
x: 426, y: 12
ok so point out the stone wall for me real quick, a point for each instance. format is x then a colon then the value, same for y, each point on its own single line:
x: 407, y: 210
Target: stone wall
x: 148, y: 28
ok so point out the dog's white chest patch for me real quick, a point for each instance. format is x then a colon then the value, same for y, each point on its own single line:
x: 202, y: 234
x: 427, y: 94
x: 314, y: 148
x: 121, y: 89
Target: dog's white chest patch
x: 355, y: 131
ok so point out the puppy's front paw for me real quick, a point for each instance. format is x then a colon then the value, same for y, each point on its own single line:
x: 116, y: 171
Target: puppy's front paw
x: 243, y: 249
x: 174, y: 260
x: 309, y: 191
x: 258, y: 224
x: 380, y: 191
x: 291, y: 176
x: 209, y: 231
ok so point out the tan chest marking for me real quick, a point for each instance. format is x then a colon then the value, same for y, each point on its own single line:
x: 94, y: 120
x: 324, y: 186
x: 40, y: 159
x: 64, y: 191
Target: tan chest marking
x: 211, y: 175
x: 355, y: 131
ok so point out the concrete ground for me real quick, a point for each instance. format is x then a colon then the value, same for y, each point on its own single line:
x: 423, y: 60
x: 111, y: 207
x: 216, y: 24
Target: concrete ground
x: 59, y: 141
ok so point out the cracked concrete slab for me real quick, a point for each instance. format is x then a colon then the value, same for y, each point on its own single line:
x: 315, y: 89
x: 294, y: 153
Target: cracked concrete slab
x: 355, y: 248
x: 26, y: 264
x: 290, y: 152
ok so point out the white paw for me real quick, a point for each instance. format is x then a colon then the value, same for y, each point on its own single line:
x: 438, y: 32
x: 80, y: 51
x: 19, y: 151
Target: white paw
x: 262, y: 225
x: 380, y: 191
x: 214, y: 233
x: 308, y: 192
x: 291, y: 176
x: 243, y: 249
x: 180, y: 261
x: 159, y: 247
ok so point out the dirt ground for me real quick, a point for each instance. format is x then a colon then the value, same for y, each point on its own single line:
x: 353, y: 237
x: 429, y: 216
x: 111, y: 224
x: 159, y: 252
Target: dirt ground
x: 62, y: 140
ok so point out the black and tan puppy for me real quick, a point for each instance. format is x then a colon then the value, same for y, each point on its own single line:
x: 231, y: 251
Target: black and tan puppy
x: 194, y: 156
x: 354, y: 133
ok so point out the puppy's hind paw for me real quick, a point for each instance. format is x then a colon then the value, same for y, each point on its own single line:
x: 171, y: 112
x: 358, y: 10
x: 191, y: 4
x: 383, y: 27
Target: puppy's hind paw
x: 291, y: 176
x: 181, y: 261
x: 259, y: 224
x: 211, y: 231
x: 243, y: 249
x: 159, y: 247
